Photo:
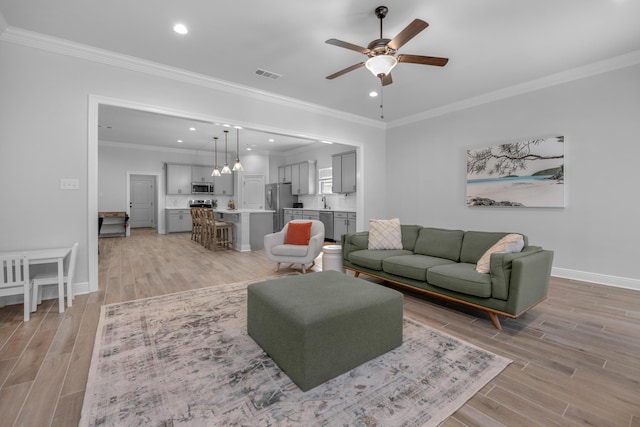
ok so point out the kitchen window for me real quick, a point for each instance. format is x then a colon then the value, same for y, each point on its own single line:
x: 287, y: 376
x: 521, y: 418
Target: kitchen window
x: 325, y: 179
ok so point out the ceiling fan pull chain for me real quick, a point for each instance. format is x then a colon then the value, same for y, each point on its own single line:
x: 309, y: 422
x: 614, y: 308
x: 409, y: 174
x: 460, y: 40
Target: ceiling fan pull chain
x: 381, y: 99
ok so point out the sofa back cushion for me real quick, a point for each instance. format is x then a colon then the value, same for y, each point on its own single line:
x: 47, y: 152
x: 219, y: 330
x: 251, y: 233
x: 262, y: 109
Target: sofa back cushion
x: 476, y: 243
x: 409, y: 236
x: 440, y: 243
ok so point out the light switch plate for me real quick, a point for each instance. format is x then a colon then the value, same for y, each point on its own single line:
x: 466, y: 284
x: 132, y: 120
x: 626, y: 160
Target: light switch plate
x: 69, y: 184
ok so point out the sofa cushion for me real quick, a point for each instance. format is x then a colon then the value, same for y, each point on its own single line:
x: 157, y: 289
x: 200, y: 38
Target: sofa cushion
x: 476, y: 243
x: 412, y: 266
x: 460, y: 277
x: 385, y: 234
x: 510, y: 243
x: 372, y: 258
x: 439, y: 243
x: 409, y: 236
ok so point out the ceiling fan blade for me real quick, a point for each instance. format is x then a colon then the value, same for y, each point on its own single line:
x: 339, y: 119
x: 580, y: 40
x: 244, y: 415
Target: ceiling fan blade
x: 387, y: 80
x: 346, y: 45
x: 424, y: 60
x: 407, y: 34
x: 345, y: 71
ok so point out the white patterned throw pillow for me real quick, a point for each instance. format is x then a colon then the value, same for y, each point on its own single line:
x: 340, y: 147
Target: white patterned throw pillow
x: 385, y: 234
x: 508, y: 244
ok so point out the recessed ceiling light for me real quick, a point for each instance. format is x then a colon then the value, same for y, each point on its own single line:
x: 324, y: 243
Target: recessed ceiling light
x: 192, y: 129
x: 180, y: 141
x: 180, y: 29
x: 326, y: 142
x: 373, y: 94
x: 271, y: 139
x: 248, y: 148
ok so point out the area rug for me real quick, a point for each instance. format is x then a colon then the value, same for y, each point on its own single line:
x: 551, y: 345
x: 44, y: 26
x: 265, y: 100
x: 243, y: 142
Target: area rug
x: 186, y: 359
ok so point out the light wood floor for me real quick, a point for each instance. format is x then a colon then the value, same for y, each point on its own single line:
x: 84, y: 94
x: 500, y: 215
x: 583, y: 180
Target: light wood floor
x: 576, y: 356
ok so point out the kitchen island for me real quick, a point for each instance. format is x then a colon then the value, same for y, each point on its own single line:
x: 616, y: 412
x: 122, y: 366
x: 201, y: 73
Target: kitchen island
x: 250, y: 226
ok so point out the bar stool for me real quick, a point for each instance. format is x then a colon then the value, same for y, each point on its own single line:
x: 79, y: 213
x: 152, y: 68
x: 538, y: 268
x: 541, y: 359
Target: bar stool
x: 225, y: 234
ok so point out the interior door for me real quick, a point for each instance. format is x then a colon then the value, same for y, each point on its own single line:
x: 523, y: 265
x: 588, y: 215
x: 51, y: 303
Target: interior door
x: 141, y: 204
x: 253, y: 192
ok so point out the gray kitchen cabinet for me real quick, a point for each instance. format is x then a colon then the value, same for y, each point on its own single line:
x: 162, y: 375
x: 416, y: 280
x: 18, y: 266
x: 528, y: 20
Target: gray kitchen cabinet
x: 343, y: 223
x: 284, y: 174
x: 178, y: 220
x: 291, y: 214
x: 223, y: 185
x: 178, y: 179
x: 288, y: 215
x: 201, y: 174
x: 344, y: 172
x: 311, y: 215
x: 303, y: 178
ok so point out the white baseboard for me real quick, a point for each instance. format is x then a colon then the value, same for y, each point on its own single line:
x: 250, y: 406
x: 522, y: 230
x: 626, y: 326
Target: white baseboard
x: 602, y: 279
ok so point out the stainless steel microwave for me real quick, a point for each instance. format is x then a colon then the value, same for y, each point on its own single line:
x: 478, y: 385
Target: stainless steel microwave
x: 201, y: 188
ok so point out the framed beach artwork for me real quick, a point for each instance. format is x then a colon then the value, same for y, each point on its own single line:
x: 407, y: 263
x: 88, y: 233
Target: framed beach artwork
x: 527, y: 173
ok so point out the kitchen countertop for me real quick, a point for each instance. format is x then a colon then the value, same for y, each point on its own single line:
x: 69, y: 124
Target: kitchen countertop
x: 322, y: 210
x: 228, y: 211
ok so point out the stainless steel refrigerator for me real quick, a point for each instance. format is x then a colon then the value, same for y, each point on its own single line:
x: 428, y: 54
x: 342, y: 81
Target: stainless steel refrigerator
x: 278, y: 197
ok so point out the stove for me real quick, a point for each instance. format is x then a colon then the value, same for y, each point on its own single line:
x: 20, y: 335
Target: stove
x: 201, y: 204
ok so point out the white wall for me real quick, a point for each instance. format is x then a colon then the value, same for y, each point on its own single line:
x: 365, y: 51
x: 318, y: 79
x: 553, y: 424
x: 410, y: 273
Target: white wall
x: 44, y: 134
x: 595, y: 237
x: 116, y: 160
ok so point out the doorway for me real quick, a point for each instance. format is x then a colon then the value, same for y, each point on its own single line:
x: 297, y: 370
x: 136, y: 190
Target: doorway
x: 142, y: 202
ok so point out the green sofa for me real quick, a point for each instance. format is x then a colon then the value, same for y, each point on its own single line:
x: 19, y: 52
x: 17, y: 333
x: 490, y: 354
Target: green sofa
x: 442, y: 262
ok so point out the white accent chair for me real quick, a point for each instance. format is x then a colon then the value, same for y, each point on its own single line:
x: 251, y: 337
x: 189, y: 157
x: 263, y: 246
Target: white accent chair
x: 45, y: 279
x: 278, y: 252
x: 14, y: 272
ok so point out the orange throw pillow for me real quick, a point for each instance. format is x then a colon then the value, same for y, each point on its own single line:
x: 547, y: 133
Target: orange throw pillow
x: 298, y: 233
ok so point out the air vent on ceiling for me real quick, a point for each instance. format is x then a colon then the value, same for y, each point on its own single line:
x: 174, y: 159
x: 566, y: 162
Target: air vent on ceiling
x: 268, y: 74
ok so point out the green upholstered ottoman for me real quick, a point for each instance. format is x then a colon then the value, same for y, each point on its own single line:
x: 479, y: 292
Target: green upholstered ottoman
x: 320, y: 325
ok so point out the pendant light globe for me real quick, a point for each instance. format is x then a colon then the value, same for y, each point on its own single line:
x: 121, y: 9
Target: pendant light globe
x: 225, y: 168
x: 238, y: 166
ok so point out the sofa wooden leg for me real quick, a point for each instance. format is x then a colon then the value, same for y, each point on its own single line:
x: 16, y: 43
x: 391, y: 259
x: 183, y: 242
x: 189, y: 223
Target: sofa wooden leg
x: 494, y: 318
x: 356, y: 274
x: 277, y: 267
x: 303, y: 269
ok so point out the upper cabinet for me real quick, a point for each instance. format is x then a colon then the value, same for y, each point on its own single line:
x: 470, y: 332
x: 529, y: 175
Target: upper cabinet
x: 284, y: 174
x: 302, y: 177
x: 223, y: 185
x: 344, y: 172
x: 178, y: 179
x: 201, y: 174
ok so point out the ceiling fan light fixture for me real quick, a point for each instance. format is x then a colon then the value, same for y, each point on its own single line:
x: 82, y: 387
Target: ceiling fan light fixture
x: 381, y: 65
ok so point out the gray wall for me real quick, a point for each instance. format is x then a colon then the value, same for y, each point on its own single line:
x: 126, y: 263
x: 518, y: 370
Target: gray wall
x: 595, y: 237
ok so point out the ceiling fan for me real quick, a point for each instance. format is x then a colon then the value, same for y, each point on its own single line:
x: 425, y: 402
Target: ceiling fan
x: 382, y: 52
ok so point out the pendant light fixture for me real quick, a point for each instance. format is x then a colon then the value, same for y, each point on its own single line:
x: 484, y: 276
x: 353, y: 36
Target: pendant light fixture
x: 238, y: 166
x: 216, y: 171
x: 225, y: 168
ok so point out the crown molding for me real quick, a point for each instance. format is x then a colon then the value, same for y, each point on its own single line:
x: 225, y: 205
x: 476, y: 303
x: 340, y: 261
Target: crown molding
x: 65, y: 47
x: 600, y: 67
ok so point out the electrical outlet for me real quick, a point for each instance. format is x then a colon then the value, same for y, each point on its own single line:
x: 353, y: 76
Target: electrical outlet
x: 69, y: 184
